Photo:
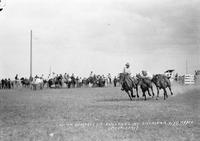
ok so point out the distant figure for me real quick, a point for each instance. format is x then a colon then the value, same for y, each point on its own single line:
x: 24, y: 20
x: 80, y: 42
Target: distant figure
x: 115, y: 81
x: 17, y: 82
x: 176, y: 77
x: 42, y: 77
x: 109, y: 78
x: 9, y: 83
x: 16, y: 77
x: 53, y: 75
x: 73, y: 80
x: 36, y: 76
x: 48, y: 77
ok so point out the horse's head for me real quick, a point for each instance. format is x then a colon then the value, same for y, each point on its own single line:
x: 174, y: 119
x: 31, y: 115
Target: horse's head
x: 156, y: 78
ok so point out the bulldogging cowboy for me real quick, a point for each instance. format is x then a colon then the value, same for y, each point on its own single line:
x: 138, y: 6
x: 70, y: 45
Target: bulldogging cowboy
x: 127, y: 71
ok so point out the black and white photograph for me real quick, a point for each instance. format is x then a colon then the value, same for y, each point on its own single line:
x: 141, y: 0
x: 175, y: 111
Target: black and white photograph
x: 100, y: 70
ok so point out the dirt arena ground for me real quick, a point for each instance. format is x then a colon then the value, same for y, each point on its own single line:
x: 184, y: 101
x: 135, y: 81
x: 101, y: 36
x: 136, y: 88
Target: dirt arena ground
x: 98, y: 114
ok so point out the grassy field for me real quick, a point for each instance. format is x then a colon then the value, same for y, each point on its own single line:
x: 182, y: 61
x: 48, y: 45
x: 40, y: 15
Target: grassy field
x: 95, y: 114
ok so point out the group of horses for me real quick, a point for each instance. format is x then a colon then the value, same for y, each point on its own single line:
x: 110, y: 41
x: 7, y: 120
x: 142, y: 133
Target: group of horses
x: 73, y: 82
x: 129, y: 83
x: 33, y: 83
x: 59, y: 81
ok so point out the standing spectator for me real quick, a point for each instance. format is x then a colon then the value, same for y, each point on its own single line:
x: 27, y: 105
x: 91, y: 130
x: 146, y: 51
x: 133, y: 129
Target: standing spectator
x: 16, y: 77
x: 77, y: 82
x: 2, y: 83
x: 42, y: 77
x: 176, y: 77
x: 17, y: 81
x: 6, y: 83
x: 9, y: 84
x: 80, y: 82
x: 53, y: 75
x: 109, y: 78
x: 115, y: 81
x: 36, y: 76
x: 73, y: 80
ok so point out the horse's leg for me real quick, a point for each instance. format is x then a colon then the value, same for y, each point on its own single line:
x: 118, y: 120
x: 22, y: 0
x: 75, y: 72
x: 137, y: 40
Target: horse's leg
x: 129, y: 95
x: 137, y: 91
x: 157, y: 93
x: 132, y: 93
x: 144, y: 95
x: 148, y: 91
x: 165, y: 93
x: 122, y: 88
x: 152, y: 91
x: 170, y: 90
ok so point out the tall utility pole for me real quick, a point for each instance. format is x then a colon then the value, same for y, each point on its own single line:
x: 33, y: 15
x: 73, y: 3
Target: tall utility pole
x: 31, y: 54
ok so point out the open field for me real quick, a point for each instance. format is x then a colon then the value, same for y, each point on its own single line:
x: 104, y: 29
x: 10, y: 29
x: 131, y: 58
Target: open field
x: 95, y: 114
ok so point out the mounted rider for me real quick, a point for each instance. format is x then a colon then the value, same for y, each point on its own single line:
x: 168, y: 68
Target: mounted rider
x: 127, y: 71
x: 146, y: 74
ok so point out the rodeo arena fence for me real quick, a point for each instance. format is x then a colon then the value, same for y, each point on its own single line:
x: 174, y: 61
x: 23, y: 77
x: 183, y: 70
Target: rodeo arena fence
x: 189, y: 79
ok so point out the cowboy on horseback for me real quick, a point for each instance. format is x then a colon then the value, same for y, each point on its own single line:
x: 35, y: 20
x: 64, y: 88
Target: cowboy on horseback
x: 128, y: 83
x: 127, y: 71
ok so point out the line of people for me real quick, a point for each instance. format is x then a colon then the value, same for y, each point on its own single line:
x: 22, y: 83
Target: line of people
x: 59, y: 80
x: 6, y: 84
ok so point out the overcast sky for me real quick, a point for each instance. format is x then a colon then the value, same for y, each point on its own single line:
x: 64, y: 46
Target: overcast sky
x: 100, y: 35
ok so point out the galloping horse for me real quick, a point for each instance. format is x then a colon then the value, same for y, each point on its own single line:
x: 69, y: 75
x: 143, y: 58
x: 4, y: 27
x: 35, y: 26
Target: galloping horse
x: 162, y: 82
x: 145, y: 84
x: 128, y: 84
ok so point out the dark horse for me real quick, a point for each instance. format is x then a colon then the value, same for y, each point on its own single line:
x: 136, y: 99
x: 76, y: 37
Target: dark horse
x: 162, y: 82
x: 25, y: 82
x: 92, y: 81
x: 145, y: 84
x: 55, y: 81
x: 128, y: 84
